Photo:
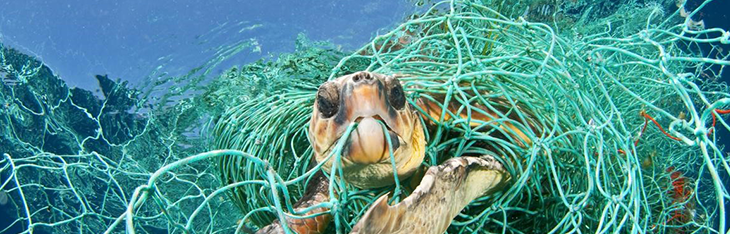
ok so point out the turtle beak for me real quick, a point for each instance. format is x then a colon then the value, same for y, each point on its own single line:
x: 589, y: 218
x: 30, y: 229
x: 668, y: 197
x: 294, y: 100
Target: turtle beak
x: 368, y: 143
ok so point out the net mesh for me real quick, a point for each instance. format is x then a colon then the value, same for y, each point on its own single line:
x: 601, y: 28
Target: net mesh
x: 622, y: 114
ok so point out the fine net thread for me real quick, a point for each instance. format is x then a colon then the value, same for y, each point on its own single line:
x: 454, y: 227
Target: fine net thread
x: 622, y: 116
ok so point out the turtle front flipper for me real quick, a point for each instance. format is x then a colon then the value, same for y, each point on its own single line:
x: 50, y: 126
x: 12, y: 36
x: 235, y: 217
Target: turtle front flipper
x: 444, y: 191
x: 317, y: 192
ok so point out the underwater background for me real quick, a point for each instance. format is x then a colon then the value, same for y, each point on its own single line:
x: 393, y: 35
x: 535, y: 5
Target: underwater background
x: 97, y: 96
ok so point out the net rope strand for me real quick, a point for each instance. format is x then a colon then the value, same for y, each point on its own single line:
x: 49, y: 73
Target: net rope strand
x: 623, y: 117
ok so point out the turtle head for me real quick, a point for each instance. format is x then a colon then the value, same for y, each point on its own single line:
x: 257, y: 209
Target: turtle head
x: 368, y: 99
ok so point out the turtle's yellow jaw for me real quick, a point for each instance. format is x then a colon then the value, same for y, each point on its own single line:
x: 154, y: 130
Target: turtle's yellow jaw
x: 367, y: 98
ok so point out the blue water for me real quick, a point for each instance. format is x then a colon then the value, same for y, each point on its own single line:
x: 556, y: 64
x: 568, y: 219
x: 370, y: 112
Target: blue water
x: 130, y: 40
x: 126, y: 39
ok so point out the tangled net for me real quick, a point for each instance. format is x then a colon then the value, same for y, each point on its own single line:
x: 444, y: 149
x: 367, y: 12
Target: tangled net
x: 624, y: 115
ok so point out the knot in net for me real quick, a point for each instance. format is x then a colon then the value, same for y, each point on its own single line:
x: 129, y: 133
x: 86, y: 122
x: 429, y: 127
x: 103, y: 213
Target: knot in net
x: 611, y: 112
x: 607, y: 123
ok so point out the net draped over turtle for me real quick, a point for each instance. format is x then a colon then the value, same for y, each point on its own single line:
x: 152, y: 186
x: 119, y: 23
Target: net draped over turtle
x: 615, y: 109
x: 622, y: 114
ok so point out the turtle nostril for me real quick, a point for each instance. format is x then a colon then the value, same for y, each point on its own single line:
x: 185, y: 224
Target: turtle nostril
x: 363, y: 76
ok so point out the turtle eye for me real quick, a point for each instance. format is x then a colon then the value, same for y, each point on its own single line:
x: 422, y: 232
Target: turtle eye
x: 395, y: 96
x: 328, y: 99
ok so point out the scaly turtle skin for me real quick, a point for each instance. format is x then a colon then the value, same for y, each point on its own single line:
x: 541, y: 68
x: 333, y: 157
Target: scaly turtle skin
x: 444, y: 190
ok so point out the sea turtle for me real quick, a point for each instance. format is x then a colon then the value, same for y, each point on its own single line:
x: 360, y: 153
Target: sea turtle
x: 368, y: 99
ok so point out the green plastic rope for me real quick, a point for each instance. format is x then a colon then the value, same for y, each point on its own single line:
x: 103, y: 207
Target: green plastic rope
x: 622, y: 115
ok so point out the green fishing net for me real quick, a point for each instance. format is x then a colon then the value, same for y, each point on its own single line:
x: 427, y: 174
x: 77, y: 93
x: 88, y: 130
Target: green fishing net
x: 622, y: 104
